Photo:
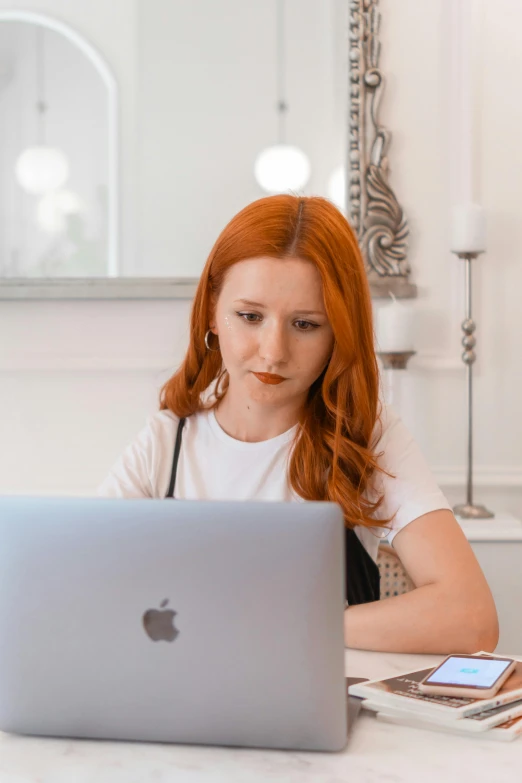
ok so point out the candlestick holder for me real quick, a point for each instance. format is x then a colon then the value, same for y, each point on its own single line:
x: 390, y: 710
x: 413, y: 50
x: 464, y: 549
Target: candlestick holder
x: 470, y: 510
x: 392, y: 361
x: 395, y: 360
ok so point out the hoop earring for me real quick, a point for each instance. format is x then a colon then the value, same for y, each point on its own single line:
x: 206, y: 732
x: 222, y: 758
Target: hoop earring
x: 206, y: 342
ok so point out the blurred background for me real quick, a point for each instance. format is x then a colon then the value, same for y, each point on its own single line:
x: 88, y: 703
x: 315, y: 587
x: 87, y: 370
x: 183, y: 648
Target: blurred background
x: 165, y: 105
x: 157, y: 111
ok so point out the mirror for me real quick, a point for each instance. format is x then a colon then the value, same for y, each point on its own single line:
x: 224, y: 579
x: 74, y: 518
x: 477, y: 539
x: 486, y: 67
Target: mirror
x: 202, y: 90
x: 58, y: 183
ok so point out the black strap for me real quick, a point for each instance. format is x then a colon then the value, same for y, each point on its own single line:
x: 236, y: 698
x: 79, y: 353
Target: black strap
x: 363, y: 578
x: 362, y: 573
x: 177, y: 448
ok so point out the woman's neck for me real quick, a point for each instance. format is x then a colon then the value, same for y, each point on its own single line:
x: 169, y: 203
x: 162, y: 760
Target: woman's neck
x: 251, y: 422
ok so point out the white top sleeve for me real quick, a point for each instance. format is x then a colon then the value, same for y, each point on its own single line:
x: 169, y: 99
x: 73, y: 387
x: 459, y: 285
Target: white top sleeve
x: 411, y: 491
x: 149, y: 457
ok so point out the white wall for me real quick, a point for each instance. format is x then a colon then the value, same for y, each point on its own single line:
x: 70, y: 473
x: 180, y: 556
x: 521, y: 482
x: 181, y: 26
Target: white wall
x: 77, y: 379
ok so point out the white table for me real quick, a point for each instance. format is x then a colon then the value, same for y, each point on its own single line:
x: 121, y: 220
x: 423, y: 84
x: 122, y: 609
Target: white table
x: 377, y: 753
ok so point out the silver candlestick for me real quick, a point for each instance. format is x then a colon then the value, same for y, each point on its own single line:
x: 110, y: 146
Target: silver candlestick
x: 395, y: 360
x: 469, y: 510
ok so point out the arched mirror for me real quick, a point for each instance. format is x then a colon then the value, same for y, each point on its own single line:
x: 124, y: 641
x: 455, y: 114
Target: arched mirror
x: 58, y: 148
x: 216, y: 101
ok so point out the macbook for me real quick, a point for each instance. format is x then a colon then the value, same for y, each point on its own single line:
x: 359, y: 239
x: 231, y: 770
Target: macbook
x: 208, y: 622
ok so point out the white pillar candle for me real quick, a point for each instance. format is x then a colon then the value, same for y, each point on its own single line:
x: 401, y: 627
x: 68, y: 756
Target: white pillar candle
x: 394, y: 327
x: 468, y: 229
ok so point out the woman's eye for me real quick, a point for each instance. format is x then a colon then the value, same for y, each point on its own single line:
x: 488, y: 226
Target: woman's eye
x: 254, y: 318
x: 249, y: 317
x: 306, y: 326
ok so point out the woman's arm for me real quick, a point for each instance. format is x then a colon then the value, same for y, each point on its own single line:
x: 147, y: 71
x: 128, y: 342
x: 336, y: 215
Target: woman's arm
x: 451, y: 609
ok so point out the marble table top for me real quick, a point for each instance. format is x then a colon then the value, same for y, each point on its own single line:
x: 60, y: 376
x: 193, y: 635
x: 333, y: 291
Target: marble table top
x: 376, y: 753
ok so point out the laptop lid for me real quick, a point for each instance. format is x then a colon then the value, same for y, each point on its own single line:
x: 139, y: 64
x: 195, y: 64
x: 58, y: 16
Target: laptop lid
x: 206, y: 622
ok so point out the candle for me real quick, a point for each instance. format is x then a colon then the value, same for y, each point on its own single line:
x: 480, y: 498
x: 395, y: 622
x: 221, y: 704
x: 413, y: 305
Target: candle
x: 394, y: 327
x: 468, y: 229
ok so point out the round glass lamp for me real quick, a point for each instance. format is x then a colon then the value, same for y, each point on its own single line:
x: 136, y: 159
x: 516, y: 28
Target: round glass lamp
x: 40, y: 169
x: 282, y: 168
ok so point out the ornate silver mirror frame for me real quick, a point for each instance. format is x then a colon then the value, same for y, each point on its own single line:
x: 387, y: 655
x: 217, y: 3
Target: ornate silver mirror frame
x: 374, y: 211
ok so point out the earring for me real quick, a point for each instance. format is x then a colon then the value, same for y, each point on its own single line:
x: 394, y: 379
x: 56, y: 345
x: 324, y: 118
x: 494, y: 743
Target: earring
x: 206, y: 342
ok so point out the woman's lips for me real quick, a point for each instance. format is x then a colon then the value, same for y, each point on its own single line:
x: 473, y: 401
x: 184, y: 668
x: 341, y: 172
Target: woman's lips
x: 266, y: 377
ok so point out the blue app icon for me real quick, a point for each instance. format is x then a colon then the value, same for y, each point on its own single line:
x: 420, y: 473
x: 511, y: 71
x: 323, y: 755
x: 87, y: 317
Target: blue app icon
x: 470, y: 671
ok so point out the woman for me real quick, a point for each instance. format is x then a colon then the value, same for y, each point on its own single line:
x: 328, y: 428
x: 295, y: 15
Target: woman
x: 278, y: 399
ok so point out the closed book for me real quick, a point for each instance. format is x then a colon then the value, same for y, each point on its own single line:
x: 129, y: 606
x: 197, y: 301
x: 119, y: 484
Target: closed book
x: 504, y: 732
x: 402, y: 692
x: 480, y: 722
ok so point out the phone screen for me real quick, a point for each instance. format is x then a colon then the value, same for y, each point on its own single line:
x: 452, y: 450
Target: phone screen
x: 473, y: 672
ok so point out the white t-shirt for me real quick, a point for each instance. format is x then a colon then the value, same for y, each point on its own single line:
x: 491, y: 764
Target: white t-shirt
x: 214, y: 466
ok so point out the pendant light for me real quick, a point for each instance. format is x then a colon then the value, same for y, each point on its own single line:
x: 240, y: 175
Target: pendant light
x: 282, y: 167
x: 41, y: 168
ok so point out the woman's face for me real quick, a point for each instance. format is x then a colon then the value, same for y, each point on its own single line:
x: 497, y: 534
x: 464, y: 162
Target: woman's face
x: 270, y: 318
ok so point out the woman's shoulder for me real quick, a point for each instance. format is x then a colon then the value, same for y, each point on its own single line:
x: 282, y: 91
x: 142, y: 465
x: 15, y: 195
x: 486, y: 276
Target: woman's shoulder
x: 158, y: 431
x: 394, y: 445
x: 389, y: 426
x: 135, y: 472
x: 406, y: 482
x: 161, y: 429
x: 164, y: 421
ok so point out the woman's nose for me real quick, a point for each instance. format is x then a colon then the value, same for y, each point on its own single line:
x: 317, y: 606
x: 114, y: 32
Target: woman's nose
x: 273, y: 346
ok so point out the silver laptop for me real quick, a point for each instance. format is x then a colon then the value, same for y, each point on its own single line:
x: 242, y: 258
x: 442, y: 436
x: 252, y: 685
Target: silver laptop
x: 204, y: 622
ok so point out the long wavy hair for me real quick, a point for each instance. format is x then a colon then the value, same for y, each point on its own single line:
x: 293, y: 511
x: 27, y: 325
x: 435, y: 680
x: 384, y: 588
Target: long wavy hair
x: 332, y: 457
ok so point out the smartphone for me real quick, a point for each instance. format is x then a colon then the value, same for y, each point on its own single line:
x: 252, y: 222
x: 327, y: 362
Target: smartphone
x: 468, y: 676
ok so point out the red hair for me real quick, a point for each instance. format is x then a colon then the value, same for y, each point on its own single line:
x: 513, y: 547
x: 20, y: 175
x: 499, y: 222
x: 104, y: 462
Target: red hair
x: 332, y: 458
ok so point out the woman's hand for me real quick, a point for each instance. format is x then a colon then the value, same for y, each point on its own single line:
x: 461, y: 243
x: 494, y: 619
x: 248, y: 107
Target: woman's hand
x: 451, y: 609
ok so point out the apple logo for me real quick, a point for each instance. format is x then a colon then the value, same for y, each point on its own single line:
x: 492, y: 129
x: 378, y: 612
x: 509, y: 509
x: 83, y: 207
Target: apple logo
x: 159, y: 623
